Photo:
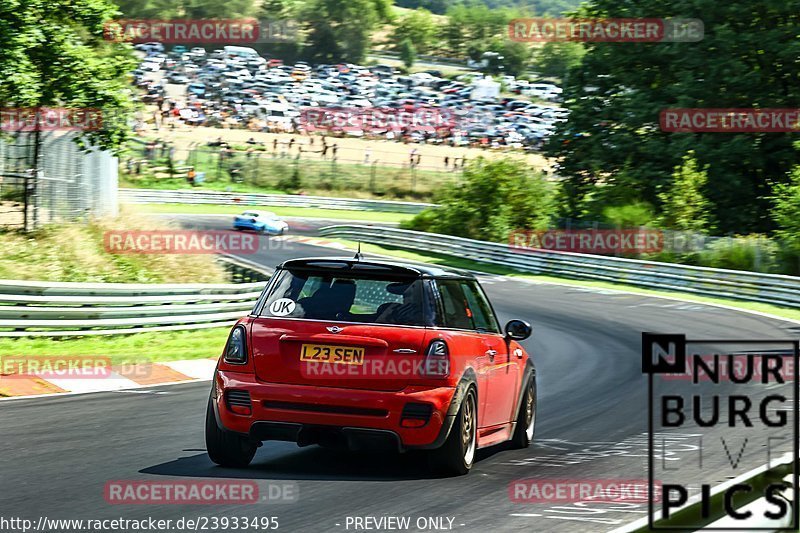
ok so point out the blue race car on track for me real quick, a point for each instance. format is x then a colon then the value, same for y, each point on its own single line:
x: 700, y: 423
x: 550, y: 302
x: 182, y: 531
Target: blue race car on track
x: 261, y: 221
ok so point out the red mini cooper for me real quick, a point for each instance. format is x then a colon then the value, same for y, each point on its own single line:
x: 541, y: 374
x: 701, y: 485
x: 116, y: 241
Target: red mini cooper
x: 360, y: 354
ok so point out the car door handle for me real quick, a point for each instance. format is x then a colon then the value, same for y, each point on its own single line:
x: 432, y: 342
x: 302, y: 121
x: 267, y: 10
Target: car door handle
x: 491, y: 354
x: 404, y: 350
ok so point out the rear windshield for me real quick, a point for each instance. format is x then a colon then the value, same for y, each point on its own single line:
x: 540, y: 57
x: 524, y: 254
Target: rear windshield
x: 349, y: 298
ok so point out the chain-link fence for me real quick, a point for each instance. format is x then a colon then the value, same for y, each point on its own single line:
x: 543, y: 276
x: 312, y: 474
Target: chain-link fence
x: 69, y: 183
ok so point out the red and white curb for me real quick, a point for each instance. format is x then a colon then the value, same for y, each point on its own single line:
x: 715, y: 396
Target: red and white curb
x: 132, y: 376
x: 316, y: 241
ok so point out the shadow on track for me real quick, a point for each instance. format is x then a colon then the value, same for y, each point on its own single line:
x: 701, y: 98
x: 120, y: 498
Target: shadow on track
x: 282, y: 461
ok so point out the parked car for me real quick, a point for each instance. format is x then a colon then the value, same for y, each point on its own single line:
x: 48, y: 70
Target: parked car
x: 362, y: 354
x: 260, y: 221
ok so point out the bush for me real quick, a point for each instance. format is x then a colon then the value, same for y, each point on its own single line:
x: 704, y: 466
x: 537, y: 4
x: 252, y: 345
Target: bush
x: 752, y: 252
x: 494, y: 198
x: 629, y: 216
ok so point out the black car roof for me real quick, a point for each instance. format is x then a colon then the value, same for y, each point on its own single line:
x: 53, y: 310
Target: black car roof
x: 375, y: 266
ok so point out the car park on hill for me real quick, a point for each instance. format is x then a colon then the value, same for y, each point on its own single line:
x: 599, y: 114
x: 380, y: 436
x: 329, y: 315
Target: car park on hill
x: 237, y: 83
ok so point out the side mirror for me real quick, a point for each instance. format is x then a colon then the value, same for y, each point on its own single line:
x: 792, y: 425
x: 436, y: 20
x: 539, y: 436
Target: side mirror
x: 518, y: 330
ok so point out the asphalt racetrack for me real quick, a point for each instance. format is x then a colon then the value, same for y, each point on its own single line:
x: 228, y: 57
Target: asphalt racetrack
x: 59, y: 452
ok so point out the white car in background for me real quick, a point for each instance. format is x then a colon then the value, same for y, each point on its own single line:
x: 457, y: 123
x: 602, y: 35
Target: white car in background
x: 150, y: 66
x: 545, y: 91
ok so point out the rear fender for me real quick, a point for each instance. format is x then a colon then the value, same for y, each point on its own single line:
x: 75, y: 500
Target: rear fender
x: 468, y: 380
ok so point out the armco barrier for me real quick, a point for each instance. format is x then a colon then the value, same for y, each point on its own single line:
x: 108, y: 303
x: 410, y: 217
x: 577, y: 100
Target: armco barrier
x: 45, y: 309
x: 738, y: 285
x: 155, y: 196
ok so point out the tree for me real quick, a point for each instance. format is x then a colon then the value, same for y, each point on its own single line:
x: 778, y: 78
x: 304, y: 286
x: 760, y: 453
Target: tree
x: 684, y: 205
x: 747, y: 58
x: 555, y: 59
x: 340, y: 30
x: 494, y: 198
x: 54, y: 54
x: 472, y: 27
x: 419, y: 28
x: 786, y: 214
x: 192, y: 9
x: 507, y: 57
x: 278, y: 9
x: 408, y: 54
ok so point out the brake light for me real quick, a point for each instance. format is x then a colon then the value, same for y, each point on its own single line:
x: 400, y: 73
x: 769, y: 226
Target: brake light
x: 437, y: 360
x: 236, y: 348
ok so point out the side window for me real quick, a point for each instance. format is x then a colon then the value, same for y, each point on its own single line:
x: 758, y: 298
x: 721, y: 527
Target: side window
x: 456, y: 310
x: 481, y: 310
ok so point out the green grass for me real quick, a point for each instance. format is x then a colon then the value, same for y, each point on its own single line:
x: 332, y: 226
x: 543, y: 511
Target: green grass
x: 309, y: 212
x: 122, y: 349
x: 467, y: 264
x: 268, y: 174
x: 151, y: 182
x: 76, y: 252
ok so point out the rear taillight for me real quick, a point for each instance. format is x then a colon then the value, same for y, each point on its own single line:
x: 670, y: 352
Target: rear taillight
x: 437, y: 360
x: 236, y: 349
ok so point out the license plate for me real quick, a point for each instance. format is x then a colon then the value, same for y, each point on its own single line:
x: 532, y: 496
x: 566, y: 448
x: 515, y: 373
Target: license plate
x: 324, y: 353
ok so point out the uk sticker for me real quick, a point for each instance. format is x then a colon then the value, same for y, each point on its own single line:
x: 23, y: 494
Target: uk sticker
x: 282, y: 307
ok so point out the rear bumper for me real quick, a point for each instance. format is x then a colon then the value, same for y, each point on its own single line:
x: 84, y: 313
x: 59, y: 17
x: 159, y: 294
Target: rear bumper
x: 352, y: 418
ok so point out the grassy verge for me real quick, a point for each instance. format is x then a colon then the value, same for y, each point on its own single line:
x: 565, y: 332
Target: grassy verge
x: 792, y: 314
x: 267, y: 174
x: 136, y: 348
x: 76, y: 252
x: 310, y: 212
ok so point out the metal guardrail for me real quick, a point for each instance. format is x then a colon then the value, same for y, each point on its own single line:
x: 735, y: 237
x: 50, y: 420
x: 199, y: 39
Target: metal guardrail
x: 156, y: 196
x: 733, y: 284
x: 45, y: 309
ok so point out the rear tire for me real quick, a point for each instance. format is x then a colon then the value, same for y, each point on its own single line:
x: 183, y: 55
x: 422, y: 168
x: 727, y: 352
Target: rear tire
x: 226, y: 448
x: 457, y: 454
x: 526, y: 418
